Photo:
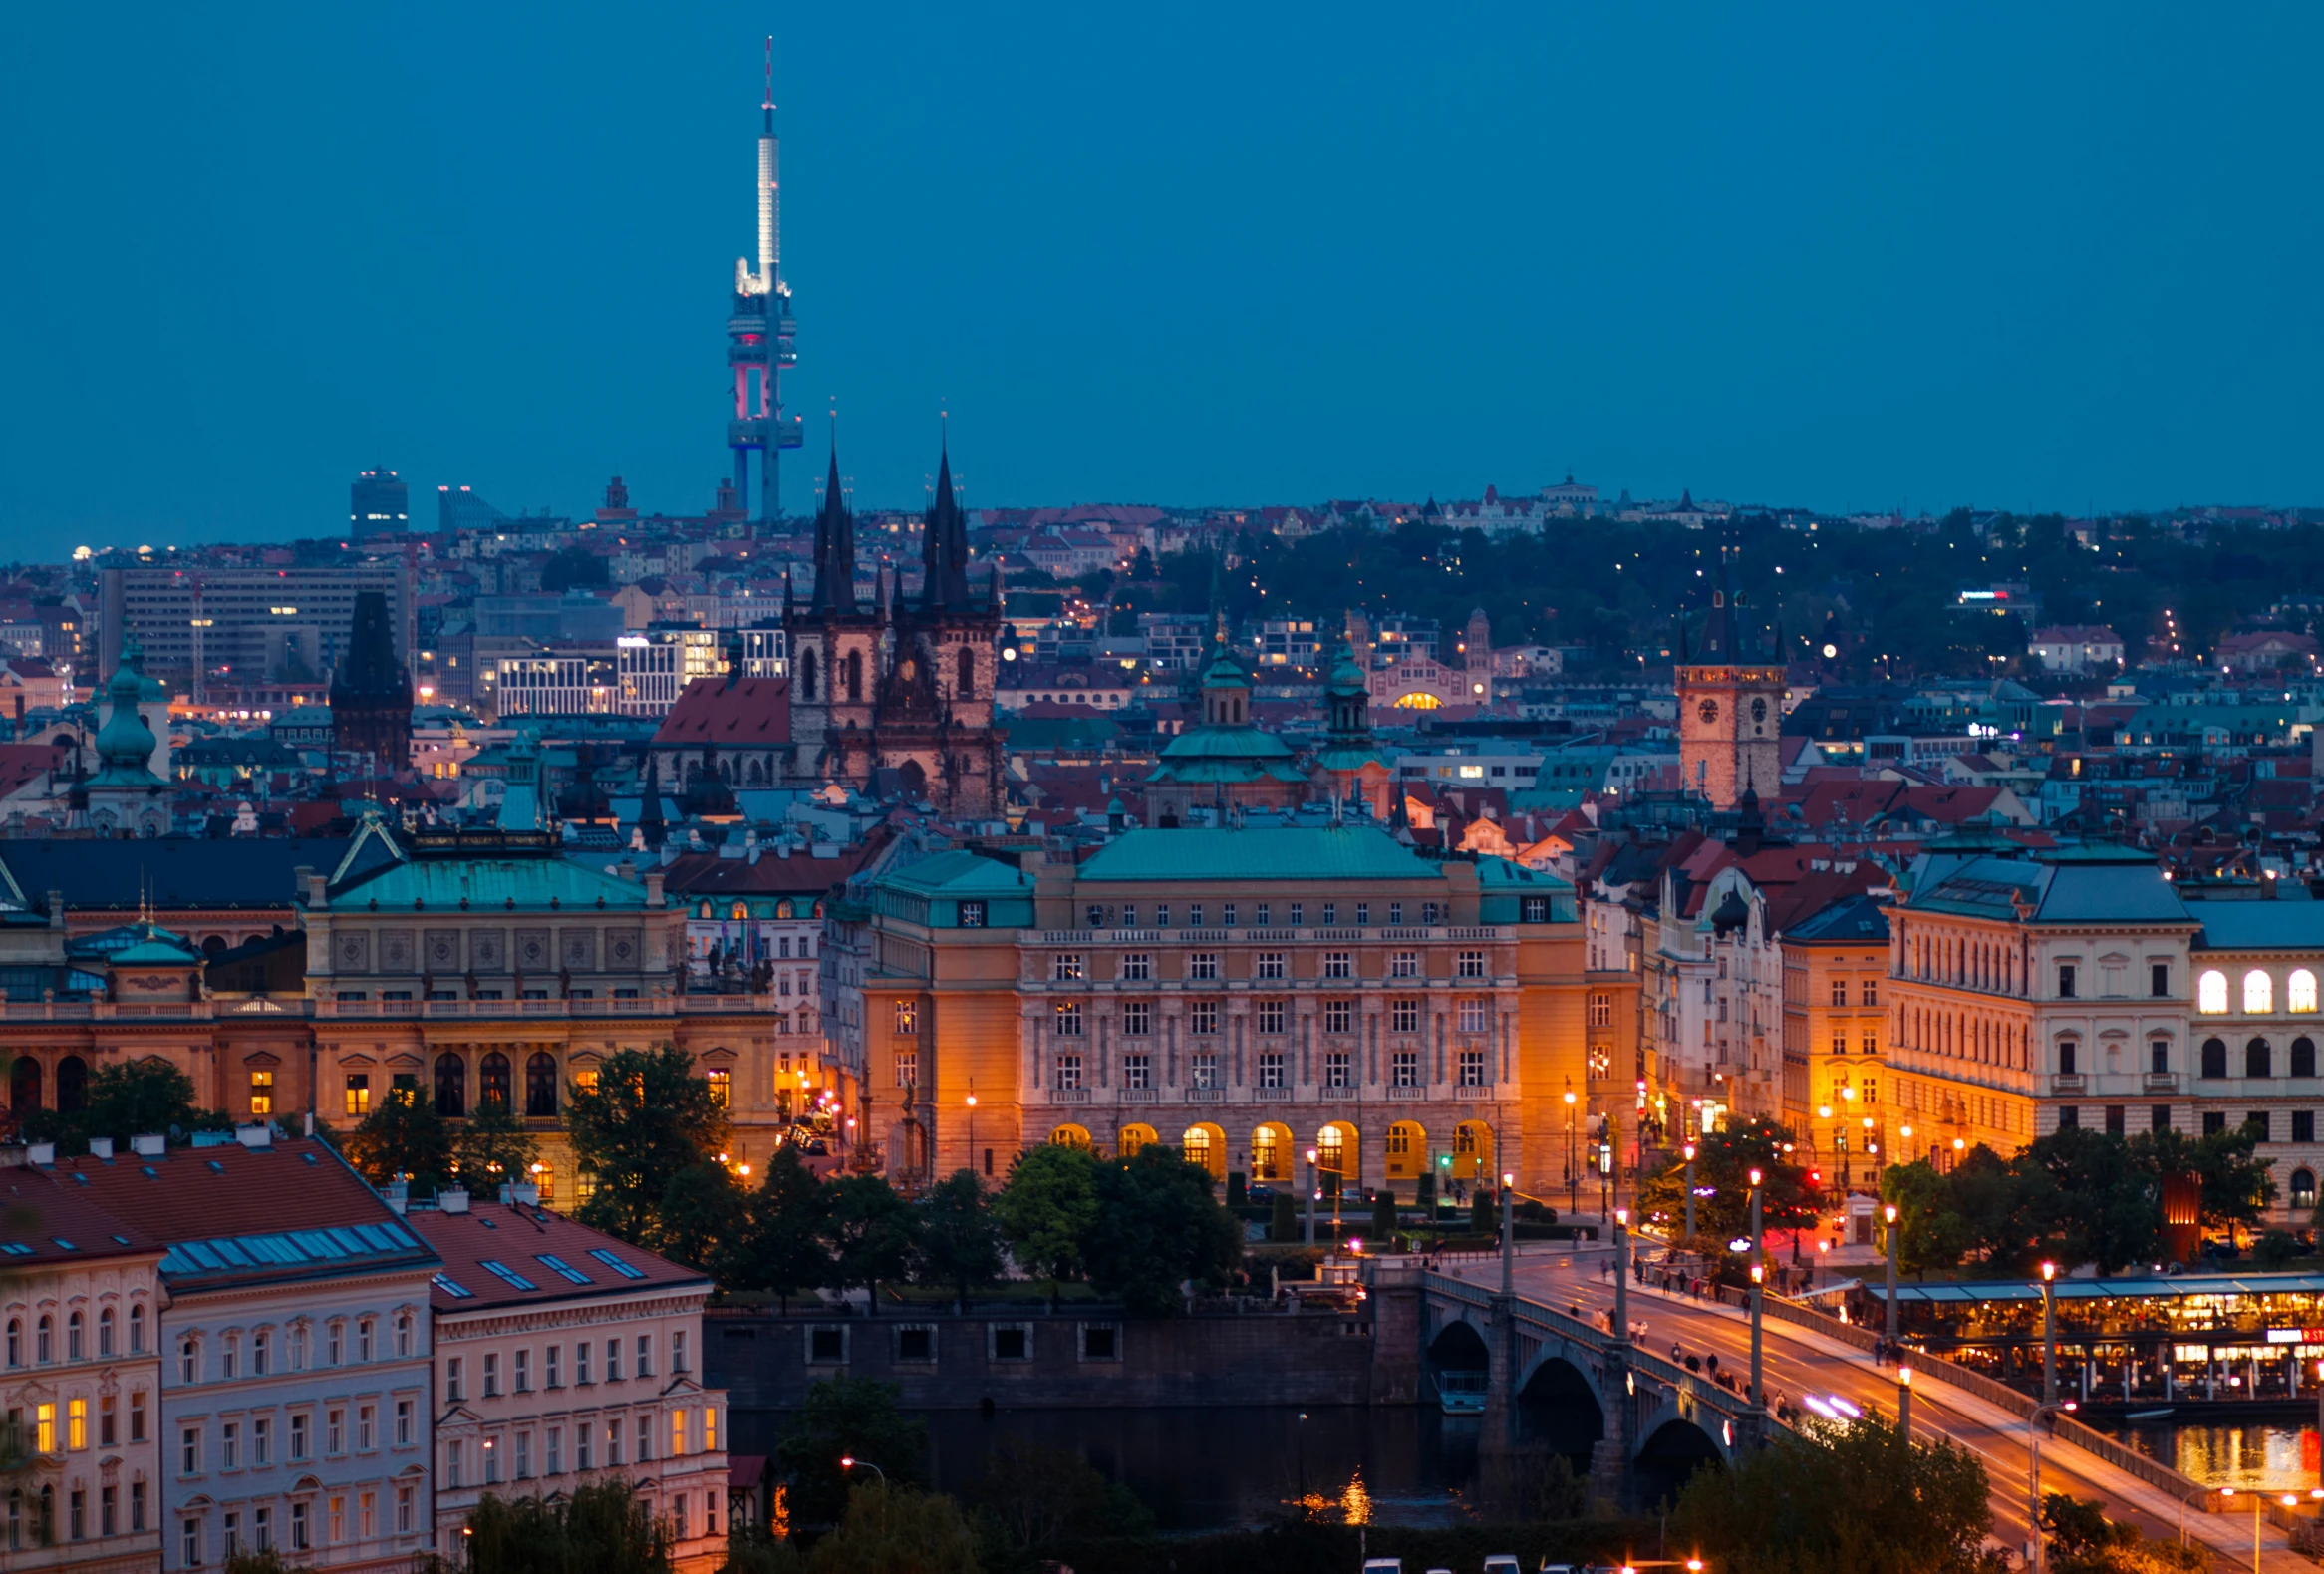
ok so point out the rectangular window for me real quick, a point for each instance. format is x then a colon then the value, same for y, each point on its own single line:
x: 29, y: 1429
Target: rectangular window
x: 581, y: 1361
x: 645, y: 1355
x: 77, y: 1424
x: 2115, y: 1120
x: 677, y: 1434
x: 452, y: 1388
x: 907, y: 1068
x: 1137, y: 1071
x: 2160, y: 980
x: 525, y: 1371
x: 972, y: 914
x: 1395, y: 913
x: 1840, y: 992
x: 298, y: 1527
x: 137, y: 1508
x: 1130, y: 917
x: 2065, y: 980
x: 1194, y: 915
x: 584, y: 1441
x: 907, y: 1017
x: 1270, y: 1068
x: 263, y: 1093
x: 1405, y: 964
x: 138, y: 1417
x: 366, y: 1427
x: 188, y: 1450
x: 1138, y: 966
x: 1068, y: 1079
x: 1161, y: 915
x: 1428, y: 912
x: 1331, y: 912
x: 645, y: 1440
x: 1339, y: 1017
x: 1870, y: 1044
x: 678, y: 1350
x: 1299, y: 914
x: 1867, y: 992
x: 555, y: 1462
x: 1268, y: 964
x: 1404, y: 1067
x: 1202, y: 1017
x: 1404, y: 1016
x: 491, y: 1376
x: 1066, y: 966
x: 1363, y: 914
x: 1137, y: 1018
x: 109, y: 1511
x: 1336, y: 1068
x: 1263, y: 916
x: 190, y: 1542
x: 334, y: 1432
x: 1840, y: 1044
x: 1068, y: 1019
x: 613, y: 1443
x: 1472, y: 964
x: 230, y: 1447
x: 549, y: 1373
x: 298, y: 1438
x: 367, y: 1515
x: 1202, y: 964
x: 402, y: 1510
x: 1601, y: 1011
x: 1476, y: 1015
x: 1227, y: 915
x: 1205, y: 1068
x: 2303, y: 1125
x: 613, y: 1351
x: 2260, y: 1125
x: 1473, y: 1069
x: 1338, y: 963
x: 358, y: 1094
x: 1270, y: 1016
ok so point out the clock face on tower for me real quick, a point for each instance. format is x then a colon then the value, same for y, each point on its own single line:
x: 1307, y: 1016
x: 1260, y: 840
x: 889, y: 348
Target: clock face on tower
x: 1708, y: 709
x: 1759, y: 709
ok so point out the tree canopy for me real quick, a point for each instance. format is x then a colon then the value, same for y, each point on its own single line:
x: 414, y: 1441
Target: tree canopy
x: 1157, y: 1226
x: 647, y: 1118
x: 847, y: 1417
x: 403, y: 1136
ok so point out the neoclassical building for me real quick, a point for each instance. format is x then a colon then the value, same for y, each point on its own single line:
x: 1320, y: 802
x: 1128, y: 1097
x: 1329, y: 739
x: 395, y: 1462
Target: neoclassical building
x: 1243, y: 994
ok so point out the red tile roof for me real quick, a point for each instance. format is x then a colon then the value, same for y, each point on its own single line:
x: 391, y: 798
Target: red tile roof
x: 798, y: 874
x: 58, y: 1221
x: 745, y: 713
x: 519, y: 1239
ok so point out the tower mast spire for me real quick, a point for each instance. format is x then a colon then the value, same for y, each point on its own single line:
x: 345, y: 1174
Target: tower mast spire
x: 761, y: 332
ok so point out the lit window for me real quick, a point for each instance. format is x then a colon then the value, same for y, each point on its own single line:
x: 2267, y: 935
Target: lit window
x: 263, y: 1093
x: 2258, y: 992
x: 2212, y: 993
x: 2301, y: 991
x: 721, y: 1084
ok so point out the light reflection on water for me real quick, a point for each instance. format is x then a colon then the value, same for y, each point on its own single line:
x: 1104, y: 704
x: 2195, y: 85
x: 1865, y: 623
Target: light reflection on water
x: 2272, y: 1457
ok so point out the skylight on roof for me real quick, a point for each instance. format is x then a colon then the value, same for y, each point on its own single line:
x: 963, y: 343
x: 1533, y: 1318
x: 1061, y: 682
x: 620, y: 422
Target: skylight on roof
x: 452, y: 1287
x: 503, y: 1271
x: 64, y: 1243
x: 563, y: 1268
x: 616, y: 1264
x: 15, y: 1249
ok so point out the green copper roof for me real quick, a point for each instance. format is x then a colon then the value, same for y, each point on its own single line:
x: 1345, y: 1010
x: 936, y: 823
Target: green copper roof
x: 154, y: 951
x: 959, y: 874
x: 1223, y: 672
x: 532, y: 883
x: 1226, y: 741
x: 1502, y: 874
x: 1274, y: 853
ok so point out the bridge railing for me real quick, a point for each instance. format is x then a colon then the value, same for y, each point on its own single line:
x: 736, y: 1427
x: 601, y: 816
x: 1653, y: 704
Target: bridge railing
x: 2120, y: 1455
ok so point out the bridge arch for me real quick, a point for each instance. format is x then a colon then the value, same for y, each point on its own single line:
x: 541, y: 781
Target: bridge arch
x: 1559, y: 1408
x: 1671, y: 1447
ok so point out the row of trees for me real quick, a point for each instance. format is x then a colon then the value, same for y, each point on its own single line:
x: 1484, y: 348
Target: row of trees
x: 2073, y: 1197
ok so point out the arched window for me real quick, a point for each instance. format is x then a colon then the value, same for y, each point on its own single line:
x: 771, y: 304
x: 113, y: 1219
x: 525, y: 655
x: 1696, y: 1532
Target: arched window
x: 105, y: 1334
x: 540, y: 1085
x: 492, y: 1080
x: 807, y: 674
x: 2303, y: 1190
x: 2301, y: 991
x: 136, y: 1329
x: 189, y: 1361
x: 2259, y: 1060
x: 72, y: 1083
x: 261, y: 1353
x: 24, y: 1086
x: 15, y: 1342
x: 2304, y: 1058
x: 2258, y: 993
x: 2210, y: 993
x: 451, y: 1086
x: 854, y: 670
x: 73, y: 1350
x: 2214, y: 1058
x: 964, y: 685
x: 45, y: 1344
x: 2067, y: 1052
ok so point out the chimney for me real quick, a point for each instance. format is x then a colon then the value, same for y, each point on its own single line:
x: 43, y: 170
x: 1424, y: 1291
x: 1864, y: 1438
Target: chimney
x: 507, y: 1195
x: 396, y: 1195
x: 653, y: 888
x: 41, y: 1155
x: 150, y: 1144
x: 529, y: 1195
x: 453, y: 1200
x: 255, y: 1136
x: 101, y: 1147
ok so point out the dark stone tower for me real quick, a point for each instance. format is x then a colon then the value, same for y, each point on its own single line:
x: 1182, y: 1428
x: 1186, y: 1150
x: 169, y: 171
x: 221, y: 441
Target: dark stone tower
x: 371, y: 692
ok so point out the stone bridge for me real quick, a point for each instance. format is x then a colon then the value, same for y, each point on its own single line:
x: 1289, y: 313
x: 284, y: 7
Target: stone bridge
x: 1559, y: 1383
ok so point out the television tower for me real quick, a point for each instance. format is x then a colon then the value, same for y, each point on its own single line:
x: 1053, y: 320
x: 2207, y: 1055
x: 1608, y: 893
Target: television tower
x: 759, y: 333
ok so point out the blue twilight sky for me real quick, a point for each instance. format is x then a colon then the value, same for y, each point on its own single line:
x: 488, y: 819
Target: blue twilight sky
x: 1849, y: 256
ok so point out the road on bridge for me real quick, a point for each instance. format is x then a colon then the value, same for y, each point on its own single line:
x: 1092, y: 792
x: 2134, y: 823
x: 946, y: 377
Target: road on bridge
x: 1797, y: 1364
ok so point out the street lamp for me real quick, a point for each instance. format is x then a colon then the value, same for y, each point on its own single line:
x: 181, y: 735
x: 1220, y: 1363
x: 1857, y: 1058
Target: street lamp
x: 1689, y: 1151
x: 972, y: 1125
x: 1904, y: 1404
x: 849, y: 1462
x: 1758, y: 1289
x: 1508, y: 1235
x: 1622, y: 1275
x: 1889, y: 1212
x: 2049, y: 1335
x: 1573, y: 1175
x: 1311, y: 1198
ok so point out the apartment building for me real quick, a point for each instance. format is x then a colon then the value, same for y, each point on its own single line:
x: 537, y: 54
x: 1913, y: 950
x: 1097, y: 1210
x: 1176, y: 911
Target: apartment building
x: 564, y: 1357
x: 294, y: 1350
x: 81, y: 1382
x: 1834, y: 1032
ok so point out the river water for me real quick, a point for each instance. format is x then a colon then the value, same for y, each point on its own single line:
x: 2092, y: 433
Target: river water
x: 1218, y: 1467
x: 2268, y: 1457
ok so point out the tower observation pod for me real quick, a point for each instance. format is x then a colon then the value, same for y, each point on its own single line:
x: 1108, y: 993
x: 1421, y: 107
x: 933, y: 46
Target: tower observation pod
x: 760, y: 334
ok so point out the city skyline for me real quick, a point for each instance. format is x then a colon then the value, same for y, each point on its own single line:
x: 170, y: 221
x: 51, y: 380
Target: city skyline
x: 1923, y: 264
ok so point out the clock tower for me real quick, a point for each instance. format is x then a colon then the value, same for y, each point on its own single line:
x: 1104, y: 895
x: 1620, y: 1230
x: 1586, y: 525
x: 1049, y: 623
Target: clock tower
x: 1730, y: 703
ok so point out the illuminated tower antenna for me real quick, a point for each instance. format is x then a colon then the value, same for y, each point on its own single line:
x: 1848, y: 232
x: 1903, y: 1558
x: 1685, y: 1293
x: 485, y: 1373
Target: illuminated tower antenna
x: 759, y: 333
